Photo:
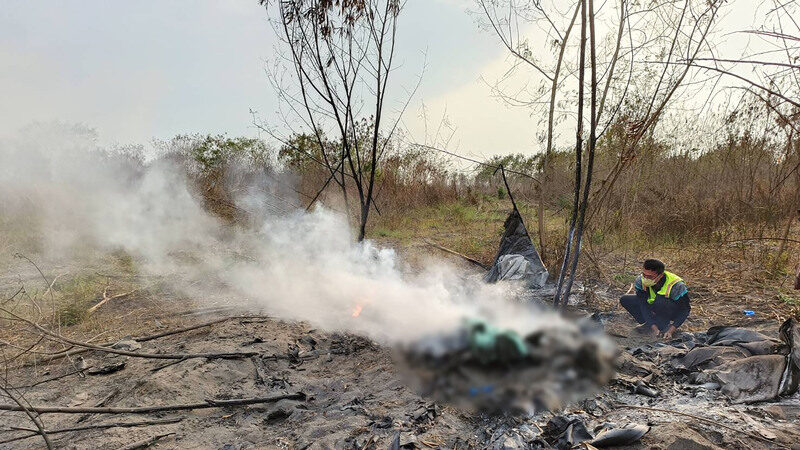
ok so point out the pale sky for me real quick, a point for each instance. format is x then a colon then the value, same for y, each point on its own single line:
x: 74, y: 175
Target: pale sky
x: 138, y: 70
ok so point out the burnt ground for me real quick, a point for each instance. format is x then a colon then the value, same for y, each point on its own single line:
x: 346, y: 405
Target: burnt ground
x: 354, y: 394
x: 355, y: 399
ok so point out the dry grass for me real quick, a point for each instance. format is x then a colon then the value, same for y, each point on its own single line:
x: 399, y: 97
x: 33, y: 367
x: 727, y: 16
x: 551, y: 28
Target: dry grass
x: 724, y: 278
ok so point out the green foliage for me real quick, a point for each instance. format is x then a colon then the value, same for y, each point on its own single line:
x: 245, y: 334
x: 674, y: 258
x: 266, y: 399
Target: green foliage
x: 72, y: 314
x: 777, y: 266
x: 301, y: 150
x: 75, y: 296
x: 501, y: 193
x: 789, y: 299
x: 458, y: 212
x: 214, y: 152
x: 624, y: 277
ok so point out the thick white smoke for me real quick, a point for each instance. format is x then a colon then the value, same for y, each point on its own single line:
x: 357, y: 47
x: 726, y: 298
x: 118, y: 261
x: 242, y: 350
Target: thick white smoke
x: 57, y: 186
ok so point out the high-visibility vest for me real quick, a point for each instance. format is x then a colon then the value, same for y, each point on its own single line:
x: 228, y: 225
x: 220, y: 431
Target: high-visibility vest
x: 670, y: 281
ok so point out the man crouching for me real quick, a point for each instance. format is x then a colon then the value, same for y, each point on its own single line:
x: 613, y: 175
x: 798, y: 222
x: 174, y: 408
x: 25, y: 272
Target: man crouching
x: 661, y: 302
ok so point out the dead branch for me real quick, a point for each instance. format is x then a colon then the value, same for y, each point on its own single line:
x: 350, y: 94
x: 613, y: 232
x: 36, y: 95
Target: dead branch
x: 164, y: 366
x: 35, y: 419
x: 146, y: 442
x: 50, y: 288
x: 27, y: 386
x: 453, y: 252
x: 101, y: 426
x: 189, y: 328
x: 199, y: 312
x: 58, y: 337
x: 209, y: 403
x: 106, y: 298
x: 85, y: 349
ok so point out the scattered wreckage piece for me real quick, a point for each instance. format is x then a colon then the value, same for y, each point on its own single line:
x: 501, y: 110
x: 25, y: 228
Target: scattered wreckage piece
x: 562, y: 432
x: 746, y: 365
x: 111, y: 367
x: 760, y: 377
x: 625, y: 435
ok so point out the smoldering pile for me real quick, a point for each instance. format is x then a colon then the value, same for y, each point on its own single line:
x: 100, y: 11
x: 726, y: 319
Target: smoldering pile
x: 484, y: 368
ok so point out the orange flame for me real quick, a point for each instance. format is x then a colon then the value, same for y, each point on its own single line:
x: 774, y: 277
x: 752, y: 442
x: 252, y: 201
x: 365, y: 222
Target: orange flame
x: 357, y: 310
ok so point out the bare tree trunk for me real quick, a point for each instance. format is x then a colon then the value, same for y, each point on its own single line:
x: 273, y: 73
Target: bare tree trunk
x: 578, y: 163
x: 592, y: 146
x: 550, y: 120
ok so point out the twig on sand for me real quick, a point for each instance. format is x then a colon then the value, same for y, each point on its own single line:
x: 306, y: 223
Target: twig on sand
x: 146, y: 443
x: 52, y: 283
x: 702, y: 419
x: 199, y: 312
x: 164, y: 366
x: 58, y: 377
x: 102, y: 402
x: 100, y: 426
x: 35, y: 419
x: 185, y: 329
x: 209, y: 403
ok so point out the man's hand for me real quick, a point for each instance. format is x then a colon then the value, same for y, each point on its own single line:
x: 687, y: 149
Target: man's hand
x: 670, y: 331
x: 655, y: 329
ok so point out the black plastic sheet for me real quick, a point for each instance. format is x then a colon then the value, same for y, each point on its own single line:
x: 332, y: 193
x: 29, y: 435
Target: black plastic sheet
x: 517, y: 258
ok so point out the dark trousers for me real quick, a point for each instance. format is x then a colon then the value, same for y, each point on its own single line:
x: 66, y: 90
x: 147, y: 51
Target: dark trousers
x: 640, y: 310
x: 633, y: 304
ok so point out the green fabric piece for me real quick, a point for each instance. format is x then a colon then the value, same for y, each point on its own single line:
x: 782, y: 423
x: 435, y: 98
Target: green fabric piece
x: 491, y: 344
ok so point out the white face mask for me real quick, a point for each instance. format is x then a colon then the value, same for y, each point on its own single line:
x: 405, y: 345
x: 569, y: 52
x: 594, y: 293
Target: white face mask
x: 647, y: 282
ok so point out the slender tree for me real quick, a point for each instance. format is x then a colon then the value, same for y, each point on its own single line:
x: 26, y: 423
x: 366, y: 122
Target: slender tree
x: 340, y: 56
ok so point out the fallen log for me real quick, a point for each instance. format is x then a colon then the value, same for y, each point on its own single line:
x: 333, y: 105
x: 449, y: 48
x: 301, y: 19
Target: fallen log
x: 209, y: 403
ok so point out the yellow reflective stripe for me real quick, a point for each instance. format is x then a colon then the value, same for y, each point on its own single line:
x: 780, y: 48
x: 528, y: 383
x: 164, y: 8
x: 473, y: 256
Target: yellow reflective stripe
x: 669, y: 287
x: 670, y: 282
